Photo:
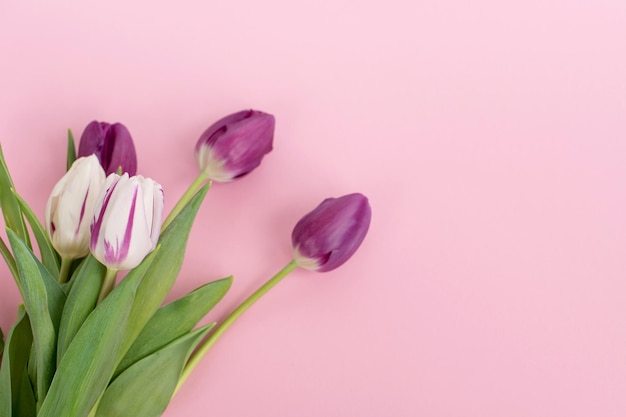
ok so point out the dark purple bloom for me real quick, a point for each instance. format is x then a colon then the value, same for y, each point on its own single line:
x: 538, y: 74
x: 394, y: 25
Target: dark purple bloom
x: 235, y: 145
x: 113, y: 146
x: 329, y: 235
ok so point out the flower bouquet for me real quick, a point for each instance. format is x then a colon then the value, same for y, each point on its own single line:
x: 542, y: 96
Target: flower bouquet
x: 82, y: 345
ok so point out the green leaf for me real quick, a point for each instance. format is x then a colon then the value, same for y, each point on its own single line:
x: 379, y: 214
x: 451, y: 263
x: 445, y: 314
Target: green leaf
x: 10, y: 207
x: 155, y: 376
x: 88, y: 364
x: 54, y: 291
x: 161, y: 274
x: 44, y: 301
x: 49, y: 257
x: 26, y: 404
x: 71, y: 149
x: 174, y: 320
x: 1, y: 343
x: 81, y: 300
x: 13, y: 370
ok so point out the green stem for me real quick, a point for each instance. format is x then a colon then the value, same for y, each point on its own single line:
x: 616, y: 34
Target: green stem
x: 10, y: 261
x: 232, y: 317
x: 191, y: 191
x: 65, y: 270
x: 107, y: 284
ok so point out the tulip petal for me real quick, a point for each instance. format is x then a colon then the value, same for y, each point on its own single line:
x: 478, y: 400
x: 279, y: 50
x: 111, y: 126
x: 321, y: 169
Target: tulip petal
x: 70, y: 204
x: 124, y: 229
x: 115, y: 254
x: 329, y: 235
x: 235, y: 145
x: 112, y: 144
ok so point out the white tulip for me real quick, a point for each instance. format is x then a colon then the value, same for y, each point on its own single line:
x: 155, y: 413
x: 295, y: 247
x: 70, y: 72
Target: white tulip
x: 71, y: 205
x: 127, y: 221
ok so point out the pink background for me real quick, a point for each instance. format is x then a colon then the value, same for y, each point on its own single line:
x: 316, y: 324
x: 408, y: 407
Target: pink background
x: 489, y: 135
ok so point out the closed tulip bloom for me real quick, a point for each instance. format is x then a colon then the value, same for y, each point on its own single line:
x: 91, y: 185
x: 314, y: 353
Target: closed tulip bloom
x: 112, y: 144
x: 127, y: 221
x: 70, y: 207
x: 329, y: 235
x: 235, y: 145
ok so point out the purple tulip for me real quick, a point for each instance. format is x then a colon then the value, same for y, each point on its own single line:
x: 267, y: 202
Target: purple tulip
x: 112, y: 144
x: 329, y: 235
x: 235, y: 145
x: 70, y: 207
x: 127, y: 221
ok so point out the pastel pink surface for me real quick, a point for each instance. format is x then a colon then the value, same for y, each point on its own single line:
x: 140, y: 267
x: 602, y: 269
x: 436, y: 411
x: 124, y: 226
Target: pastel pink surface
x: 490, y: 137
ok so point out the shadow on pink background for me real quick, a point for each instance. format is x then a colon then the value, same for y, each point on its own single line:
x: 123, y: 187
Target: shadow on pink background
x: 490, y: 137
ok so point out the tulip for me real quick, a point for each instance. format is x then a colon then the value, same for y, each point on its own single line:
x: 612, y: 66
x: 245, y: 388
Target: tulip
x: 235, y: 145
x: 112, y: 144
x: 322, y: 240
x: 329, y: 235
x: 127, y: 221
x: 70, y: 207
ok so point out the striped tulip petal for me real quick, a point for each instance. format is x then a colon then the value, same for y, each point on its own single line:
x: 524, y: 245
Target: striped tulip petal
x: 127, y: 221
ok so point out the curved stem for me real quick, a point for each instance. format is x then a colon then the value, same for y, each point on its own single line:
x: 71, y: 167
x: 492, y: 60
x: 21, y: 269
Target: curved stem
x: 228, y: 321
x: 64, y: 272
x: 107, y: 284
x: 191, y: 191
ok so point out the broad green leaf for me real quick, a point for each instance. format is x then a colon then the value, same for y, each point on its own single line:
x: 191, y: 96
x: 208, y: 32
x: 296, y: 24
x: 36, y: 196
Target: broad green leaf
x: 49, y: 257
x: 153, y: 379
x: 26, y: 404
x: 81, y: 300
x: 10, y: 261
x: 36, y: 300
x: 1, y: 343
x: 10, y: 207
x: 71, y: 150
x: 13, y: 369
x: 162, y: 272
x: 44, y: 301
x: 88, y: 364
x: 54, y: 291
x: 56, y: 295
x: 174, y: 320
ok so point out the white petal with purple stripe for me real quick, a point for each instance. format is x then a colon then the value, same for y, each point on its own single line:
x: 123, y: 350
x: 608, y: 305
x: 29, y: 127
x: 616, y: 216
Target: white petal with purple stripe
x: 127, y: 223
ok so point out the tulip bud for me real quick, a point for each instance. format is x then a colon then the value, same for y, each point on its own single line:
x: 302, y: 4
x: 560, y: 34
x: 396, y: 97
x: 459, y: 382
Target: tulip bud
x: 112, y: 144
x: 70, y: 207
x: 127, y: 221
x: 329, y: 235
x: 235, y: 145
